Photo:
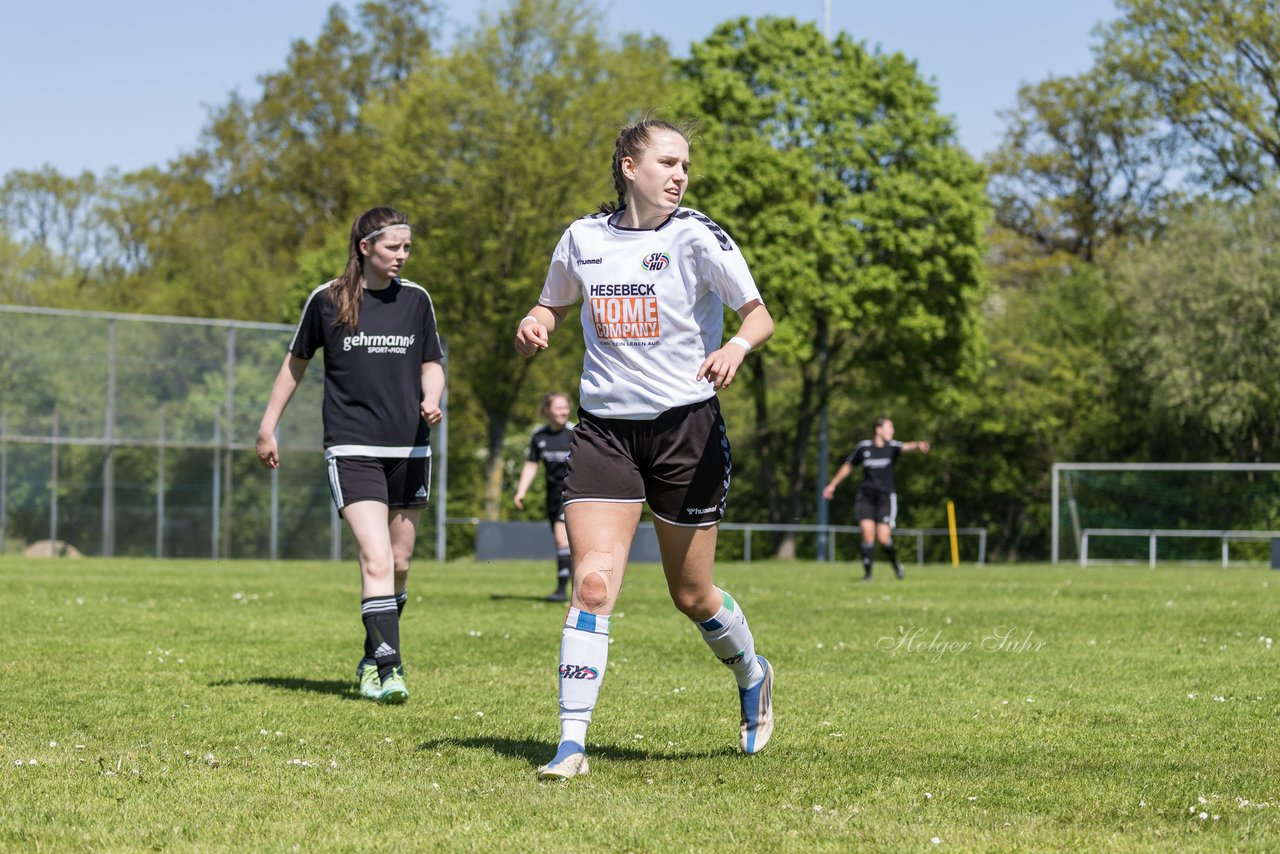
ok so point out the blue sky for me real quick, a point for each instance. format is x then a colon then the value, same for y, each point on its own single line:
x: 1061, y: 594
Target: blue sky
x: 92, y: 85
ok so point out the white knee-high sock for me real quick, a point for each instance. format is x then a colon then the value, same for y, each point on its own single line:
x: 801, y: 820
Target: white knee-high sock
x: 730, y: 639
x: 584, y: 652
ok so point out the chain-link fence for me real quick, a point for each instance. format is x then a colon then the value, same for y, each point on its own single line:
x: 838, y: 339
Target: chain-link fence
x: 132, y: 435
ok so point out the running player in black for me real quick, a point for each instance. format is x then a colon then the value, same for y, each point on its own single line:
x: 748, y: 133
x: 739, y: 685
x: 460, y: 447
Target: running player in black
x: 550, y: 446
x: 382, y: 385
x: 653, y: 279
x: 877, y: 502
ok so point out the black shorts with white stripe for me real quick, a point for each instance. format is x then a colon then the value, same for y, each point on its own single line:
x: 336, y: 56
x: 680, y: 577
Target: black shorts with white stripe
x: 401, y: 483
x: 879, y: 507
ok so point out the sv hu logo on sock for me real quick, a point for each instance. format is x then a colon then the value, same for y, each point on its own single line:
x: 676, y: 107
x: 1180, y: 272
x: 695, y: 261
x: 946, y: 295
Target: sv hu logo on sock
x: 733, y: 659
x: 578, y: 671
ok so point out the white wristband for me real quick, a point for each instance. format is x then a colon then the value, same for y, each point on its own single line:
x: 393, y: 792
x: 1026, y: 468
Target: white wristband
x: 527, y: 317
x: 741, y: 342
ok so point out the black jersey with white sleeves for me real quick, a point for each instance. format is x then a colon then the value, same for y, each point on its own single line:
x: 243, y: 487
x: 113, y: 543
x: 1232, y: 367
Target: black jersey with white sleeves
x: 373, y: 373
x: 877, y: 464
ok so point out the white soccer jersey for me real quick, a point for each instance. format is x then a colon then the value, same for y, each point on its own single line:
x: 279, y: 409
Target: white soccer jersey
x: 652, y: 308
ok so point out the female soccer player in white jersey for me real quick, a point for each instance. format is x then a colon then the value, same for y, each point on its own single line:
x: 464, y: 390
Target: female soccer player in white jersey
x: 382, y: 386
x: 549, y: 445
x: 877, y: 502
x: 653, y: 278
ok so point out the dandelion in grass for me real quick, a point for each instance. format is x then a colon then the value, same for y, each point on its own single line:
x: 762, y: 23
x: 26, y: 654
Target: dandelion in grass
x: 817, y: 807
x: 936, y: 841
x: 928, y: 796
x: 1203, y: 816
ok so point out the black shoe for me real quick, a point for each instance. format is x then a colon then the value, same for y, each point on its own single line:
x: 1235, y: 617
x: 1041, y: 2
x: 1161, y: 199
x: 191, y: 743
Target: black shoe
x: 558, y: 596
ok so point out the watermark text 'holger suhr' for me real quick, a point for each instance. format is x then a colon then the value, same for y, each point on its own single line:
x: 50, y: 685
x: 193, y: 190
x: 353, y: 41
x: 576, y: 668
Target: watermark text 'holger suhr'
x: 917, y: 640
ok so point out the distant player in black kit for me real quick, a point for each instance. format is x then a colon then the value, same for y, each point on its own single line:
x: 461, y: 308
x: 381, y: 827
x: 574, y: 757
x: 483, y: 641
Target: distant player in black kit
x: 550, y: 446
x: 382, y: 386
x: 877, y: 502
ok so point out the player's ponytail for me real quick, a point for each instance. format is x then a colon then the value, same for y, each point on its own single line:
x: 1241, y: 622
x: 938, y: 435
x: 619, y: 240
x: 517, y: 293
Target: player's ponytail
x: 346, y: 290
x: 631, y: 142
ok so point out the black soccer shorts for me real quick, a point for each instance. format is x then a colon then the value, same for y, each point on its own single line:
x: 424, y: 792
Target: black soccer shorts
x: 880, y: 507
x: 679, y: 463
x: 400, y: 483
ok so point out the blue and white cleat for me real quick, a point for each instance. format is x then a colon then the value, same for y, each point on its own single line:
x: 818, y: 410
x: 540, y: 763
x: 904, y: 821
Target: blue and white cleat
x: 570, y: 761
x: 370, y: 684
x: 757, y: 711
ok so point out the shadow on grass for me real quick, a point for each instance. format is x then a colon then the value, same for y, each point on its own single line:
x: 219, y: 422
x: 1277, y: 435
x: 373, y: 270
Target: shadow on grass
x: 333, y: 687
x: 536, y: 751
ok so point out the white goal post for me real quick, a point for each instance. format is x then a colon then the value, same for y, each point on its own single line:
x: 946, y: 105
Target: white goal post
x: 1066, y: 512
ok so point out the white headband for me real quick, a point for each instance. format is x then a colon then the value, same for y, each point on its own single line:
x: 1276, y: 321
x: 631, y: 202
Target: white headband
x: 384, y: 228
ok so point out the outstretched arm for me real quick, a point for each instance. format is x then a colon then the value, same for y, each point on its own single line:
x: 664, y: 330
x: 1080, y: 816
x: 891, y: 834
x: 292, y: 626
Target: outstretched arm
x: 281, y: 393
x: 829, y: 492
x: 922, y: 447
x: 721, y: 366
x: 534, y: 332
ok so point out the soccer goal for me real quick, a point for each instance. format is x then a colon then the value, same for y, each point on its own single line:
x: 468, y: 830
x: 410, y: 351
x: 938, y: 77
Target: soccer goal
x: 1144, y: 512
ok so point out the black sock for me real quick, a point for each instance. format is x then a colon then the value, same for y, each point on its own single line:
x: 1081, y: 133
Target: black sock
x: 382, y: 632
x: 401, y: 598
x: 868, y: 552
x: 892, y: 554
x: 562, y: 569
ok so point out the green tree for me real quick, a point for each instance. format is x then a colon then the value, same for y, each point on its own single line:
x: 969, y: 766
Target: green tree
x: 1084, y: 160
x: 1203, y: 300
x: 497, y: 147
x: 860, y: 216
x: 1214, y: 66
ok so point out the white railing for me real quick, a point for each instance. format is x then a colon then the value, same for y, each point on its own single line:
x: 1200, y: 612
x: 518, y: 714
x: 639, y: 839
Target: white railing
x: 1154, y: 534
x: 749, y: 528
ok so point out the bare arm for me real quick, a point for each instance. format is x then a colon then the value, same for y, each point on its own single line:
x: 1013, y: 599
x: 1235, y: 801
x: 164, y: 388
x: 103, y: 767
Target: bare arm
x: 526, y: 480
x: 721, y: 366
x: 534, y: 332
x: 432, y: 390
x: 281, y: 393
x: 922, y: 447
x: 844, y: 471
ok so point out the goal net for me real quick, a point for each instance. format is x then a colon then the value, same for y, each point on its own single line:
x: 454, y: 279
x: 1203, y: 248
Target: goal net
x: 1186, y: 511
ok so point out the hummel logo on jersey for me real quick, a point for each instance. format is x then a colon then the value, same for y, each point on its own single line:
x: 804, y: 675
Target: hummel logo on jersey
x: 655, y: 262
x: 421, y: 493
x: 590, y: 260
x: 384, y: 649
x: 578, y: 671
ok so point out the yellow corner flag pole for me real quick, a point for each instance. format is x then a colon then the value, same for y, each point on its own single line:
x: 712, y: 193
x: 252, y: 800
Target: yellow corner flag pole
x: 951, y: 526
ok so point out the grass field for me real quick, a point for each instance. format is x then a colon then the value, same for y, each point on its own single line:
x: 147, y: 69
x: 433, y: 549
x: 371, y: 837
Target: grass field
x: 196, y: 705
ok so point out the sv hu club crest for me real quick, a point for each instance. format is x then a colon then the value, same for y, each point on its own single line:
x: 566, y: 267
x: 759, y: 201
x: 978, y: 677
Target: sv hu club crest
x: 656, y: 261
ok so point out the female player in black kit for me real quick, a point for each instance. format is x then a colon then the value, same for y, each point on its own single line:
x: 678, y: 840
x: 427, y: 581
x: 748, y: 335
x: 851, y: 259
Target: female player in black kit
x: 382, y: 386
x: 653, y: 279
x: 550, y: 446
x: 877, y: 502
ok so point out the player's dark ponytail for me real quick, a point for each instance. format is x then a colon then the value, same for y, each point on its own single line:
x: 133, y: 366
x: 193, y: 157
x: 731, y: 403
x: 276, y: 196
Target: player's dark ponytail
x: 346, y: 290
x: 631, y: 143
